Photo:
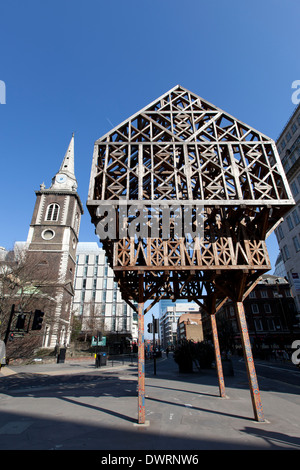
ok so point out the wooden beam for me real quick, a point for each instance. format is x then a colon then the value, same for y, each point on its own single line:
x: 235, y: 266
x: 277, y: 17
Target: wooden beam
x: 141, y: 354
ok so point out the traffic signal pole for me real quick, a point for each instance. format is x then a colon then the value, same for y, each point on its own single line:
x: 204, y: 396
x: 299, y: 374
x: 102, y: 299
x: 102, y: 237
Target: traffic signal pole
x: 9, y: 323
x: 154, y: 352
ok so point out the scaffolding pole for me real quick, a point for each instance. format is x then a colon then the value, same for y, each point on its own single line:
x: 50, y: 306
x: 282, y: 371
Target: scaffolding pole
x: 218, y: 356
x: 253, y: 384
x: 141, y: 357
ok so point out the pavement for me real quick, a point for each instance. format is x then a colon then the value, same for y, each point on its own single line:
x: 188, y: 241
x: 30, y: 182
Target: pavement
x: 75, y: 406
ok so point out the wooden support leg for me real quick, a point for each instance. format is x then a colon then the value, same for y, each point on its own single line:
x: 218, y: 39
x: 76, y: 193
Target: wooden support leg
x: 141, y: 365
x: 253, y: 384
x: 218, y: 356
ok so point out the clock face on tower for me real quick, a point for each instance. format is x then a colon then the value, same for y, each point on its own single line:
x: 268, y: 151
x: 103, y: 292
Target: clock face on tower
x: 61, y: 178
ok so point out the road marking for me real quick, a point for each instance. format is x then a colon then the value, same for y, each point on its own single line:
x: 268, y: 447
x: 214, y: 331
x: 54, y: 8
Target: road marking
x: 274, y: 367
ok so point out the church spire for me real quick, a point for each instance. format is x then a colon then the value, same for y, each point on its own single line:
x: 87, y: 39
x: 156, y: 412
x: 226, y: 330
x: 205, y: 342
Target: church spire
x: 67, y: 165
x: 65, y: 178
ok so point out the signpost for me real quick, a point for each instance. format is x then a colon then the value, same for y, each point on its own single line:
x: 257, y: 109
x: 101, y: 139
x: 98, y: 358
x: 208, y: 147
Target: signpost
x: 153, y: 328
x: 98, y: 342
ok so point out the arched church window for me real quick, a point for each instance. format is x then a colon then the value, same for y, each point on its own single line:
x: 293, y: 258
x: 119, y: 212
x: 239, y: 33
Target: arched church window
x: 52, y: 212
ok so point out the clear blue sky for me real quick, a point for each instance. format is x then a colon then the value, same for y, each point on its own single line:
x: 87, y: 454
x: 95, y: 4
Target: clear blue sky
x: 85, y: 65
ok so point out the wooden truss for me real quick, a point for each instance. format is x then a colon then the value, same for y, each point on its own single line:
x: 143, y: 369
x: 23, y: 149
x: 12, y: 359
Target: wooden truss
x: 185, y: 152
x: 183, y: 197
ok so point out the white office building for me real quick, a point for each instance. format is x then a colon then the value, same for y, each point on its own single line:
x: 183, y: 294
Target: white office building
x: 97, y: 299
x: 288, y: 232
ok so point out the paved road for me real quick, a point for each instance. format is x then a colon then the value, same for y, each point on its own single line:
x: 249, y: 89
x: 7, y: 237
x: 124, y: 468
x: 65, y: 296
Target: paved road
x: 75, y: 406
x: 282, y: 374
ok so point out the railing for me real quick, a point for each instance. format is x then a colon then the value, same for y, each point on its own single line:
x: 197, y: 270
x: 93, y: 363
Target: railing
x: 121, y: 359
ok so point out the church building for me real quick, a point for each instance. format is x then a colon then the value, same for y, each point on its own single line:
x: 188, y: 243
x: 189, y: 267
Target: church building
x: 51, y: 246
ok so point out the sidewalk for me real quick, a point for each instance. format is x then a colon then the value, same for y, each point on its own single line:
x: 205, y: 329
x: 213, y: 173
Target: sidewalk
x: 183, y: 411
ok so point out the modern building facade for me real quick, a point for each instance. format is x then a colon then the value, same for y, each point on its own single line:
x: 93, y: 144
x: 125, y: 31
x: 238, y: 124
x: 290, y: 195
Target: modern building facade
x: 169, y: 314
x: 97, y: 299
x: 288, y: 232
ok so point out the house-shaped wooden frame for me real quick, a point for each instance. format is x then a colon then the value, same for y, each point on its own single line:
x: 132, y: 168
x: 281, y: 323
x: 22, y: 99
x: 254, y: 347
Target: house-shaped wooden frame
x: 200, y: 191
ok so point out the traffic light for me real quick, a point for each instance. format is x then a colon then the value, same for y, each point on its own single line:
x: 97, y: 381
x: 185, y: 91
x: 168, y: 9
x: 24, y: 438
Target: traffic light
x: 156, y: 325
x: 98, y: 337
x: 20, y: 321
x: 37, y: 320
x: 150, y: 329
x: 11, y: 337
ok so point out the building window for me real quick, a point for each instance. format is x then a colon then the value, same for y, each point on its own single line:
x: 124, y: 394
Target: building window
x: 258, y: 324
x: 294, y: 188
x: 286, y: 253
x: 296, y: 244
x: 290, y: 222
x: 271, y: 324
x: 252, y: 295
x: 254, y: 308
x: 280, y: 232
x: 48, y: 234
x: 264, y: 293
x: 52, y: 212
x: 267, y: 308
x: 296, y: 217
x: 76, y: 223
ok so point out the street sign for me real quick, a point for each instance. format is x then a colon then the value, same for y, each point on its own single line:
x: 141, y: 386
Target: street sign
x: 99, y: 343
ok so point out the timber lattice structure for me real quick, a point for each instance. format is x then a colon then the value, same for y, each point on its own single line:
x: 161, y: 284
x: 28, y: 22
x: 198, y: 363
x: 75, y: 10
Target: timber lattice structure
x: 181, y: 152
x: 203, y: 191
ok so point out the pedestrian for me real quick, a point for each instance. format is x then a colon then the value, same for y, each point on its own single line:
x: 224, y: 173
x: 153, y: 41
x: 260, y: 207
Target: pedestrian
x: 285, y: 355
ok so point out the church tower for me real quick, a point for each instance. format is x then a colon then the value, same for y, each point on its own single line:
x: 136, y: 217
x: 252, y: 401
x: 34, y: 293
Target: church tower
x: 52, y: 242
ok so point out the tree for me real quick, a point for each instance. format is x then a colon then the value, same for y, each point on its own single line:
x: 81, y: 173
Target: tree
x: 26, y: 283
